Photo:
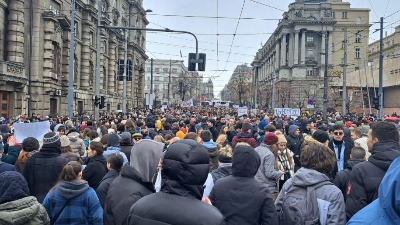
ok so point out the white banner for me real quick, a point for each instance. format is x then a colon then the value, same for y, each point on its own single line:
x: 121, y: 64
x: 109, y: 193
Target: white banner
x: 188, y: 103
x: 286, y: 112
x: 36, y: 130
x: 235, y: 106
x: 242, y: 110
x: 253, y: 112
x: 164, y: 107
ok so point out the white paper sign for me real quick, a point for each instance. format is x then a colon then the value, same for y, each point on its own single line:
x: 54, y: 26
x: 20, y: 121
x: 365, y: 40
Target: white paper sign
x: 164, y: 107
x: 235, y: 106
x: 188, y: 103
x: 282, y: 111
x: 36, y: 130
x: 295, y: 112
x: 242, y: 110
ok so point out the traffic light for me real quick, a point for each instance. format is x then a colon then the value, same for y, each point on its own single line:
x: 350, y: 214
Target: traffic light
x: 192, y: 65
x: 120, y: 74
x: 202, y: 66
x: 376, y: 103
x: 96, y: 100
x: 102, y: 102
x: 129, y: 70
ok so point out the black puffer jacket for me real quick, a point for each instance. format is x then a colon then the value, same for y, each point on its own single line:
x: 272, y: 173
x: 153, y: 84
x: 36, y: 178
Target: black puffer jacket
x: 294, y: 144
x: 104, y: 185
x: 125, y: 190
x: 185, y: 169
x: 342, y: 178
x: 240, y: 198
x: 95, y: 170
x: 366, y: 177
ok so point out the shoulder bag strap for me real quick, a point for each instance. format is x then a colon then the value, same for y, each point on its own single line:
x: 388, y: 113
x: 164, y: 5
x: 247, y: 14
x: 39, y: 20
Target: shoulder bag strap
x: 55, y: 218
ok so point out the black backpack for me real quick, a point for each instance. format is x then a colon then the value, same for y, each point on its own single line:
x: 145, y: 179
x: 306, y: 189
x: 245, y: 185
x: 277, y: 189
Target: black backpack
x: 300, y: 205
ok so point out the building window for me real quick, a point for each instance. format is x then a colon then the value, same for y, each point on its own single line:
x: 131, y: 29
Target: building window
x: 357, y: 53
x: 157, y: 70
x: 310, y: 72
x: 56, y: 58
x: 358, y: 38
x: 156, y: 78
x: 165, y: 70
x: 174, y: 70
x: 310, y: 38
x: 310, y: 52
x: 76, y: 29
x: 333, y: 14
x: 104, y: 78
x: 91, y: 38
x: 344, y: 15
x: 148, y: 68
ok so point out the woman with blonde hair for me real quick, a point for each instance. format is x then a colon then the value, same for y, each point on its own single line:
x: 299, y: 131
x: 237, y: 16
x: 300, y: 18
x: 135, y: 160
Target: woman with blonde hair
x: 284, y: 159
x: 221, y: 139
x: 71, y: 200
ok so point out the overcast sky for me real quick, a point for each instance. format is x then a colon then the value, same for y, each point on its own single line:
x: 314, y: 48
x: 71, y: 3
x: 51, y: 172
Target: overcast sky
x: 225, y: 51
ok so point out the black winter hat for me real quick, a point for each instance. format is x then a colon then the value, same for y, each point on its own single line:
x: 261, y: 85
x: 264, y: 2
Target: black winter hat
x: 51, y: 140
x: 113, y: 140
x: 321, y: 136
x: 13, y: 186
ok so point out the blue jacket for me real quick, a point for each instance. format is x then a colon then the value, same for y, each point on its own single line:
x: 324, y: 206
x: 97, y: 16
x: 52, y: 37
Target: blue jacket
x: 385, y: 210
x: 112, y: 149
x: 83, y: 207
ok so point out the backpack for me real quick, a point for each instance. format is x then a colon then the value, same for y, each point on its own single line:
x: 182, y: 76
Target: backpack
x: 300, y: 205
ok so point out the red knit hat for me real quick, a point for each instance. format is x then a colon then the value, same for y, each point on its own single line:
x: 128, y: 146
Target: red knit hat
x: 270, y: 138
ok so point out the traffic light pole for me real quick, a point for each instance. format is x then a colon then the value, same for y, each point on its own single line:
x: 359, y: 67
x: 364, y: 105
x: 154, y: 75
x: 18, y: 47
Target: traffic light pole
x: 125, y: 74
x: 97, y: 80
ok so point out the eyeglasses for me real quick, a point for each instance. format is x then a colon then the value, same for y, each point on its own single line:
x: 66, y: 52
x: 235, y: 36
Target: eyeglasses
x: 137, y: 138
x: 338, y: 133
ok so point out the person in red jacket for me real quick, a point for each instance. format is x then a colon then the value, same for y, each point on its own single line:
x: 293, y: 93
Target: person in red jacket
x: 245, y: 136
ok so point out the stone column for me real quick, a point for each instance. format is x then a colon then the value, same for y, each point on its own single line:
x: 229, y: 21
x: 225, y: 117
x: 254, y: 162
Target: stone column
x: 283, y: 50
x: 296, y: 48
x: 290, y: 55
x: 15, y: 36
x: 111, y: 67
x: 277, y: 54
x: 330, y: 55
x: 3, y: 7
x: 303, y: 48
x: 85, y: 57
x: 323, y: 48
x: 48, y: 47
x: 121, y: 52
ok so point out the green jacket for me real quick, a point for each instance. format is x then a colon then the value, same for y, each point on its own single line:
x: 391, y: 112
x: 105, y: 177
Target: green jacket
x: 24, y: 211
x: 12, y: 154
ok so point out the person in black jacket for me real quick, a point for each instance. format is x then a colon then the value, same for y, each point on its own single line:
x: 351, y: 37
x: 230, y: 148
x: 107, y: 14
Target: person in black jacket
x: 365, y: 177
x: 341, y: 147
x: 342, y: 178
x: 294, y: 141
x: 126, y: 144
x: 134, y: 182
x: 43, y: 168
x: 114, y: 164
x: 96, y: 165
x: 240, y: 198
x: 212, y: 129
x: 184, y: 171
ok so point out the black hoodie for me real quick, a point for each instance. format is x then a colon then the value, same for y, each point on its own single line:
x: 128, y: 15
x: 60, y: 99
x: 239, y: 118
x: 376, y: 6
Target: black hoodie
x: 240, y: 198
x: 342, y: 178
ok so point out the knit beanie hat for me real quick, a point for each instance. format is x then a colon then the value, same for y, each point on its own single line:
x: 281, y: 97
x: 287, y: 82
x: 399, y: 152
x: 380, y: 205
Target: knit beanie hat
x: 270, y: 138
x: 281, y: 137
x: 113, y: 140
x: 64, y: 141
x: 51, y: 141
x: 321, y: 136
x: 262, y: 124
x: 13, y: 186
x: 126, y: 137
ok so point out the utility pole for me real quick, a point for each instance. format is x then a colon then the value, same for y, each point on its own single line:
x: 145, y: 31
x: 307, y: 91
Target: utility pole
x: 151, y: 83
x: 71, y: 62
x: 273, y: 91
x: 125, y: 65
x: 97, y: 79
x: 344, y: 92
x: 169, y: 80
x: 380, y: 91
x: 325, y: 98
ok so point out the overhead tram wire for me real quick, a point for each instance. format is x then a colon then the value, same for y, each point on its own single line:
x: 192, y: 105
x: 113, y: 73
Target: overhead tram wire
x: 215, y: 17
x: 269, y: 6
x: 387, y: 4
x: 373, y: 10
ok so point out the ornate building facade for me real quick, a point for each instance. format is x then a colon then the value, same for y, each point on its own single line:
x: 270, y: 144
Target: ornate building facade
x: 293, y: 58
x: 34, y: 55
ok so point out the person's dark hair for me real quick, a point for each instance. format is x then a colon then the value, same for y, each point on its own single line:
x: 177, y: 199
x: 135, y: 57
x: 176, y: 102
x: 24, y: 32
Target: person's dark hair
x: 338, y: 127
x: 358, y: 153
x: 384, y: 131
x: 357, y: 132
x: 318, y: 157
x: 192, y: 136
x: 92, y: 134
x: 104, y: 139
x: 97, y: 146
x: 70, y: 171
x: 30, y: 144
x: 206, y: 135
x: 246, y: 127
x: 116, y: 161
x: 66, y: 149
x: 130, y: 125
x: 278, y: 126
x: 323, y: 128
x: 239, y: 125
x: 121, y: 127
x: 270, y: 128
x: 166, y: 126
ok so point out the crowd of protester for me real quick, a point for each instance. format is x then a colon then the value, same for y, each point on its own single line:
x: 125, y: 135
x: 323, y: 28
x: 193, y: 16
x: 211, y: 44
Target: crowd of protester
x: 201, y: 166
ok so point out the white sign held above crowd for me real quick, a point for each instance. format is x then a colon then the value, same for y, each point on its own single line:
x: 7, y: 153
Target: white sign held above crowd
x: 187, y: 103
x: 36, y: 130
x: 286, y: 112
x: 242, y: 111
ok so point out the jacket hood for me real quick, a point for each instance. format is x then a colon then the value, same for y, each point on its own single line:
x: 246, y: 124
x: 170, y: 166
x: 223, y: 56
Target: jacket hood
x: 13, y: 186
x: 145, y: 156
x: 306, y: 177
x: 244, y: 135
x: 245, y: 161
x: 209, y: 145
x: 131, y: 173
x: 21, y: 211
x: 292, y: 129
x: 383, y: 154
x: 352, y: 162
x: 72, y: 189
x: 73, y: 136
x: 389, y: 189
x: 185, y: 169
